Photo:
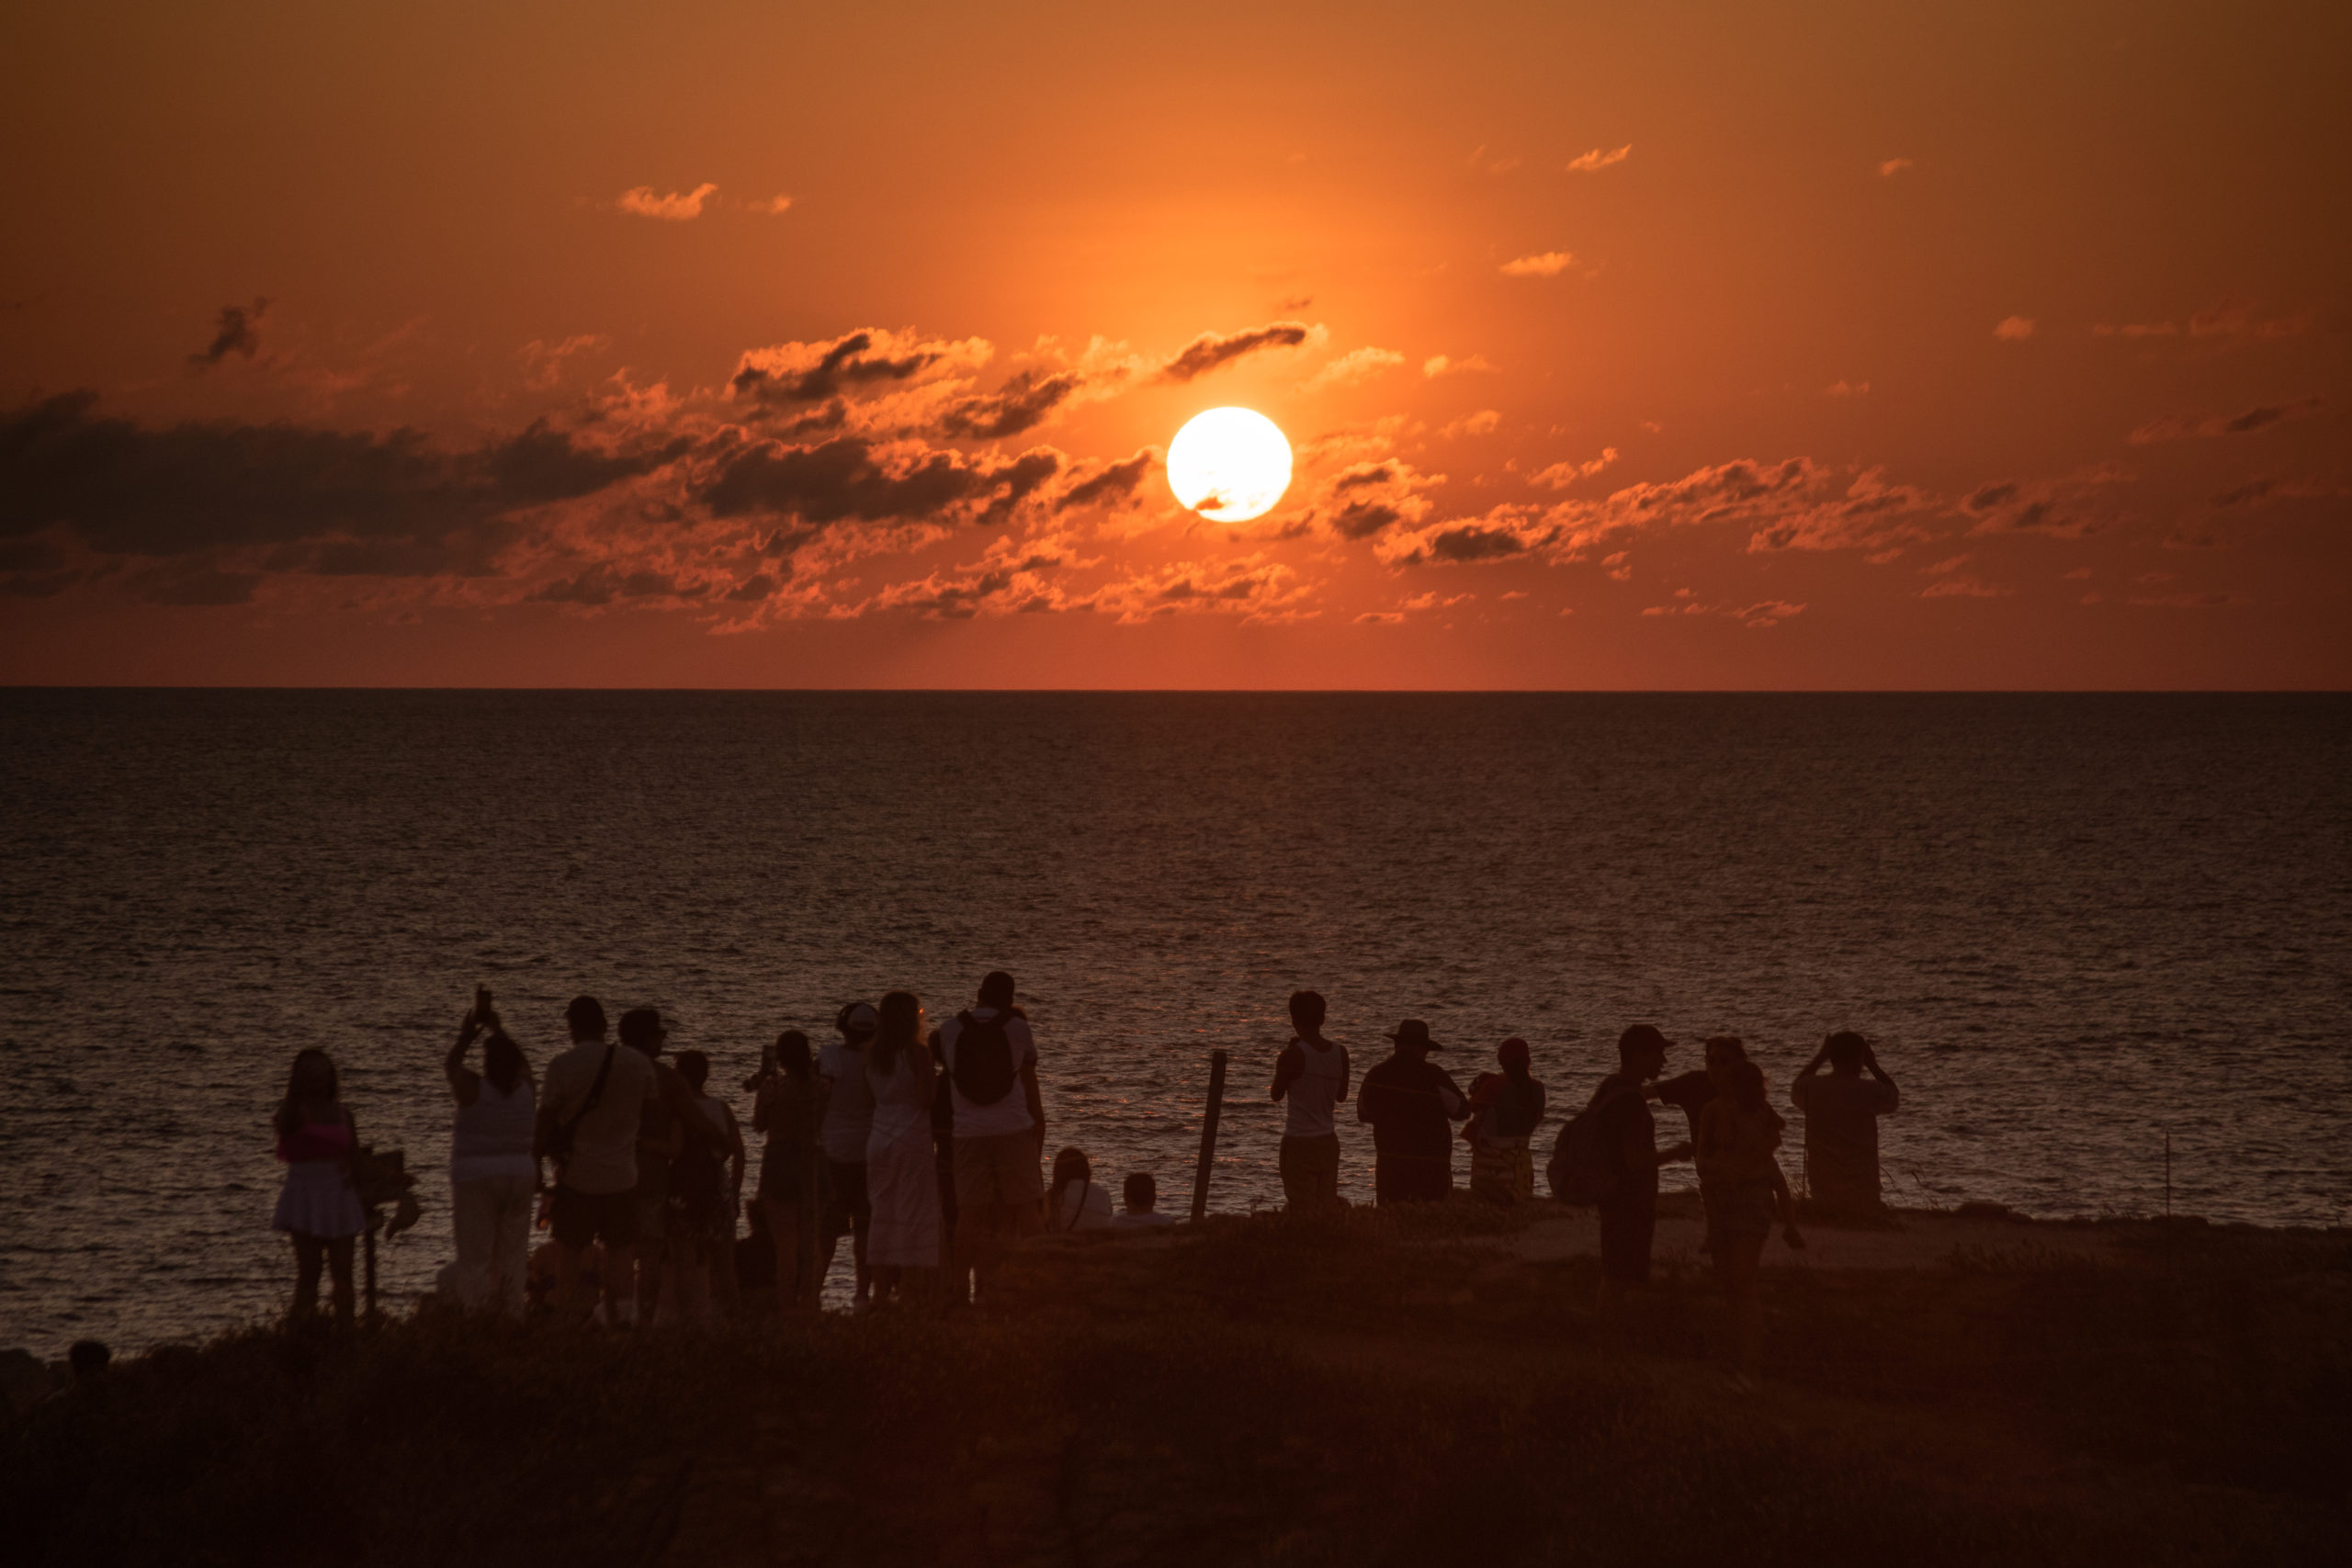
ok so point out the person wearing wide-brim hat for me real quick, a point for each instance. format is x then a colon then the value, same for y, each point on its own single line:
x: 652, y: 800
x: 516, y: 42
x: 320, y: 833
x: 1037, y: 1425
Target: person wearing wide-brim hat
x: 1411, y: 1102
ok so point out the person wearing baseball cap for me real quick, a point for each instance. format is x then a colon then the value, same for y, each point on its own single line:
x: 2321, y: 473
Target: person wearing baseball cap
x: 848, y: 1101
x: 1505, y: 1107
x: 1410, y: 1103
x: 1629, y: 1203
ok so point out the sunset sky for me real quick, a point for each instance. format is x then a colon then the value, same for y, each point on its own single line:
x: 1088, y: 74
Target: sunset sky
x: 1710, y: 346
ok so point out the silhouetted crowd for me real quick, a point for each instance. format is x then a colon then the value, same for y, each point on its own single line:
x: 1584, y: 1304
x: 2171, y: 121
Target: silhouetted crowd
x: 925, y: 1148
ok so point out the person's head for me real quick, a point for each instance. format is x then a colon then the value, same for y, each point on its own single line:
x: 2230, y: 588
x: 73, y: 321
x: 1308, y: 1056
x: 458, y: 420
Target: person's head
x: 311, y: 1087
x: 1306, y: 1011
x: 586, y: 1019
x: 1412, y: 1040
x: 898, y: 1024
x: 1744, y: 1081
x: 1725, y: 1053
x: 88, y: 1358
x: 792, y: 1054
x: 1641, y: 1051
x: 1514, y: 1056
x: 1141, y: 1193
x: 641, y: 1031
x: 1072, y: 1165
x: 502, y: 1062
x: 857, y: 1023
x: 695, y: 1068
x: 1845, y: 1049
x: 996, y: 990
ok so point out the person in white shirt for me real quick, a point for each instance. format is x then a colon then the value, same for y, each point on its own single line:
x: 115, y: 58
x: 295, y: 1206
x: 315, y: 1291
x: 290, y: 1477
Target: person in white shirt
x: 1073, y: 1203
x: 991, y: 1063
x: 1142, y: 1195
x: 848, y: 1101
x: 1312, y: 1075
x: 593, y: 1099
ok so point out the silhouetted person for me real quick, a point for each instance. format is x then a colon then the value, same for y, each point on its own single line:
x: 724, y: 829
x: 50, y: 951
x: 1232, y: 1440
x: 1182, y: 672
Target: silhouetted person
x: 705, y: 1188
x: 591, y: 1109
x: 787, y: 1200
x: 494, y: 1177
x: 88, y: 1359
x: 1841, y: 1111
x: 1628, y: 1200
x: 318, y: 1206
x: 1412, y: 1104
x: 1142, y: 1212
x: 1311, y: 1075
x: 1741, y: 1185
x: 1504, y: 1110
x: 848, y: 1112
x: 1073, y: 1203
x: 1690, y: 1093
x: 901, y: 1176
x: 988, y: 1052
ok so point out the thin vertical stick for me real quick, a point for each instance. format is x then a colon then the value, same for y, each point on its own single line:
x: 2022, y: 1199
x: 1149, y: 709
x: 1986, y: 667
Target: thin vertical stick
x: 1208, y: 1133
x: 2167, y: 1173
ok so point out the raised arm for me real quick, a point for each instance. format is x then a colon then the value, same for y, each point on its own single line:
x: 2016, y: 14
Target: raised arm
x: 1893, y: 1098
x: 465, y: 1084
x: 1287, y: 1067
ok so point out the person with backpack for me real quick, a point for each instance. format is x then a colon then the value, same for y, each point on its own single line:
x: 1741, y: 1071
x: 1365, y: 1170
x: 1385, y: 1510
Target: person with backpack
x: 594, y: 1099
x: 1311, y: 1075
x: 992, y: 1062
x: 1412, y: 1104
x: 1611, y: 1153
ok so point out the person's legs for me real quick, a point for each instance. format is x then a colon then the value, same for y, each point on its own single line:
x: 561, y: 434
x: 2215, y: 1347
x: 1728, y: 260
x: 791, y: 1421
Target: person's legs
x: 474, y: 1216
x: 339, y: 1266
x: 310, y: 1253
x: 620, y: 1282
x: 510, y: 1245
x: 1740, y: 1265
x: 693, y: 1254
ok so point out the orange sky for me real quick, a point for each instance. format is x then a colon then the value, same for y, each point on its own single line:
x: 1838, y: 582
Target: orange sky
x: 1646, y: 347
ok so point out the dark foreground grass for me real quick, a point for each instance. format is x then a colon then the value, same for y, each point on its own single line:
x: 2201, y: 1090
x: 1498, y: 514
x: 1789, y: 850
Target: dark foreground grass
x: 1385, y: 1392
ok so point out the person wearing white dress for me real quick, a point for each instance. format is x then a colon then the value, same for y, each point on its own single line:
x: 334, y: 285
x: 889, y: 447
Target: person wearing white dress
x: 902, y: 1175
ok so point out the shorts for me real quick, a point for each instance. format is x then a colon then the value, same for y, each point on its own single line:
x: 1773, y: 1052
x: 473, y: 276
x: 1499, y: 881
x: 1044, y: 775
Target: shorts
x: 1310, y: 1172
x: 999, y: 1170
x: 578, y: 1218
x: 846, y: 1206
x: 1626, y: 1230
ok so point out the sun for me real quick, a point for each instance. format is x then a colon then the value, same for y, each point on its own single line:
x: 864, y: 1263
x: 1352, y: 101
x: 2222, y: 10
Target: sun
x: 1229, y: 465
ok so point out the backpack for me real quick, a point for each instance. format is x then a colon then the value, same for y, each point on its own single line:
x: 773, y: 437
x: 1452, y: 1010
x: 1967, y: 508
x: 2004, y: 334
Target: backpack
x: 1581, y: 1169
x: 984, y: 1071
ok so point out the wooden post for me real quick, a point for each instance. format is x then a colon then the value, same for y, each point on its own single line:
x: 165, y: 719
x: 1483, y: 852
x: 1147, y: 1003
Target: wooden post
x: 368, y: 1240
x: 1208, y: 1133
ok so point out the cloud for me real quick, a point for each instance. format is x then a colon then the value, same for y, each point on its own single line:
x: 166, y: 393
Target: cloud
x: 1109, y: 485
x: 870, y: 359
x: 1022, y: 403
x: 1251, y: 587
x: 1011, y: 579
x: 774, y: 206
x: 1847, y: 390
x: 1758, y: 615
x: 675, y: 208
x: 1596, y: 160
x: 1363, y: 498
x: 1438, y: 364
x: 1210, y: 350
x: 1484, y: 422
x: 235, y: 335
x: 1348, y: 368
x: 2014, y: 329
x: 1482, y: 165
x: 2065, y: 507
x: 850, y: 477
x: 543, y: 362
x: 1419, y: 604
x: 2136, y: 330
x: 1891, y: 167
x: 1961, y: 585
x: 1546, y: 264
x: 2236, y: 318
x: 1560, y: 475
x: 2190, y: 427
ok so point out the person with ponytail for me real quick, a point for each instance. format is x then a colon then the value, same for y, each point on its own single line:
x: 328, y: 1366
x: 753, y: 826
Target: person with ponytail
x: 318, y: 1206
x: 1504, y: 1109
x: 493, y: 1179
x: 1741, y: 1186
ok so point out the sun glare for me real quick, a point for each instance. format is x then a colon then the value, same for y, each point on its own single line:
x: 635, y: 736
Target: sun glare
x: 1229, y: 465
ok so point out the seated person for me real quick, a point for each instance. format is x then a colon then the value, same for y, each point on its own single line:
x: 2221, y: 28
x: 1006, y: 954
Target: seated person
x: 1073, y: 1203
x: 1141, y: 1193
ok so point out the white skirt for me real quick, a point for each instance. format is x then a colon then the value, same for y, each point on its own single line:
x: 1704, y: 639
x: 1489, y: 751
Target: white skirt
x: 317, y: 1201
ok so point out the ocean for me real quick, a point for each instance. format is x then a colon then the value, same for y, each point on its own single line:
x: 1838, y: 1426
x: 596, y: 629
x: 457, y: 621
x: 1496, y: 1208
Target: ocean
x: 2075, y: 925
